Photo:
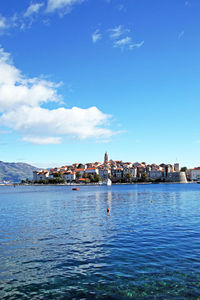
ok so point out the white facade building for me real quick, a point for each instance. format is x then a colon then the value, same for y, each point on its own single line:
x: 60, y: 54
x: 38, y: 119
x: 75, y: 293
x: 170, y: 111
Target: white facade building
x: 117, y: 173
x: 133, y: 172
x: 195, y: 174
x: 104, y: 173
x: 92, y: 171
x: 81, y: 171
x: 69, y: 176
x: 41, y: 175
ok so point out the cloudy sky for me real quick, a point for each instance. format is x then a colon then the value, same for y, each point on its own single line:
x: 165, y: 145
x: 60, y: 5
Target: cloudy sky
x: 78, y: 77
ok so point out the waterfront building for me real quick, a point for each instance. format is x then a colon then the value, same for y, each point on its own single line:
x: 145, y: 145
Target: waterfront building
x: 176, y: 167
x: 35, y: 175
x: 141, y: 170
x: 133, y: 172
x: 69, y: 176
x: 92, y: 171
x: 126, y: 171
x: 40, y: 175
x: 81, y: 171
x: 104, y: 173
x: 189, y: 174
x: 53, y: 174
x: 167, y: 170
x: 195, y: 174
x: 117, y: 173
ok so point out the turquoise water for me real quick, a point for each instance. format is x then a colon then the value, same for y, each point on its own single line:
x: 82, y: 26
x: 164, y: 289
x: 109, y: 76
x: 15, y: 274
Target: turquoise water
x: 56, y: 243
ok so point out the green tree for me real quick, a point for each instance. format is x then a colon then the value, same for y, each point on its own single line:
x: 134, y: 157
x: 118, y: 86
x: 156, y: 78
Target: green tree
x: 55, y: 175
x: 183, y: 169
x: 91, y: 177
x: 144, y: 176
x: 97, y: 178
x: 78, y: 175
x: 129, y: 177
x: 85, y: 175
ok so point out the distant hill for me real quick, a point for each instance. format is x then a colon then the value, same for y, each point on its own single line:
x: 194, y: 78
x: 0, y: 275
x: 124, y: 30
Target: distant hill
x: 15, y: 172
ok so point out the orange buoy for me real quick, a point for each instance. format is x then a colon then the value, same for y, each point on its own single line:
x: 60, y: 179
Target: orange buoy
x: 108, y: 210
x: 75, y: 189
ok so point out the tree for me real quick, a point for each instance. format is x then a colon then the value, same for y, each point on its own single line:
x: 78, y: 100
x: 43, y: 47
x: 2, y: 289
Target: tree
x: 91, y: 177
x: 85, y: 175
x: 128, y: 176
x: 55, y: 175
x: 183, y: 169
x: 144, y: 176
x: 80, y: 166
x: 78, y: 175
x: 97, y: 178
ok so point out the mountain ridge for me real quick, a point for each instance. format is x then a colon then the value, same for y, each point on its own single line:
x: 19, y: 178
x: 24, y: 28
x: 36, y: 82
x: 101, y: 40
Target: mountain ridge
x: 14, y: 172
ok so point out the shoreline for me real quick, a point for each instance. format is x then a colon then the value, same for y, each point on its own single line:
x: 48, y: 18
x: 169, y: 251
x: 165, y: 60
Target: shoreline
x: 92, y: 184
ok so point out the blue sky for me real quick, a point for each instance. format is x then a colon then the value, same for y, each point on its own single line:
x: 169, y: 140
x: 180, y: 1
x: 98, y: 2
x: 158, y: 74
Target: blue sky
x: 81, y: 77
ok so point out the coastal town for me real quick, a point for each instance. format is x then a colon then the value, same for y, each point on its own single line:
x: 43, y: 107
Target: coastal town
x: 117, y: 172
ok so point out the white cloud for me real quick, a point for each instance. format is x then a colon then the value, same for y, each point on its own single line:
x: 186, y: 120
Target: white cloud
x: 96, y: 36
x: 136, y: 45
x: 17, y: 90
x: 33, y: 9
x: 3, y: 22
x: 127, y: 43
x: 118, y: 31
x: 121, y: 38
x: 20, y: 103
x: 42, y: 140
x: 64, y: 5
x: 123, y: 42
x: 19, y: 21
x: 24, y: 20
x: 75, y: 122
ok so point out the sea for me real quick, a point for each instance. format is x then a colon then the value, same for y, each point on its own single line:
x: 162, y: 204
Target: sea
x: 57, y: 243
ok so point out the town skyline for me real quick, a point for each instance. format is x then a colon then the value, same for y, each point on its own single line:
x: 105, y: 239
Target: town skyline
x: 116, y: 172
x: 71, y: 162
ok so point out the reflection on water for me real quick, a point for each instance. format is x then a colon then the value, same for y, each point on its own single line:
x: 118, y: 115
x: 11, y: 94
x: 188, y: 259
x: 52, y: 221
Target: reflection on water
x: 60, y: 244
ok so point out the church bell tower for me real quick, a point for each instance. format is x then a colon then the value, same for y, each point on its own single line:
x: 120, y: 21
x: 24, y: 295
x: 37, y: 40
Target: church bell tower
x: 106, y: 158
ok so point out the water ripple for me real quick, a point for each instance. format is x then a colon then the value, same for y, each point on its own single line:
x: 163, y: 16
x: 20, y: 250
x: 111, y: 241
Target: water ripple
x: 56, y: 244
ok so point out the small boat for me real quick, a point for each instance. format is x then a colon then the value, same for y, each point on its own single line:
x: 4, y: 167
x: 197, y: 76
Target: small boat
x: 75, y: 189
x: 107, y: 182
x: 198, y: 181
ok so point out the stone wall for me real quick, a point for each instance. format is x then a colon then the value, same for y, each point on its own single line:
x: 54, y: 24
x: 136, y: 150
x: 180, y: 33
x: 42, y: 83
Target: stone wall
x: 179, y: 177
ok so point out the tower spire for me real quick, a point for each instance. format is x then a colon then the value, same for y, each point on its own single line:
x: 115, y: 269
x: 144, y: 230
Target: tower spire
x: 106, y: 157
